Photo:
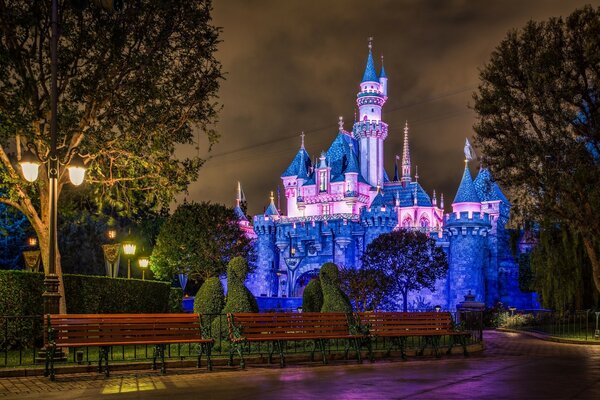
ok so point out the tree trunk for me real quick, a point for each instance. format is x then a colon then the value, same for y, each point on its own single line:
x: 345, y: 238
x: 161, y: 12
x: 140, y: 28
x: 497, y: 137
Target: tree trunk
x: 405, y: 301
x: 592, y: 253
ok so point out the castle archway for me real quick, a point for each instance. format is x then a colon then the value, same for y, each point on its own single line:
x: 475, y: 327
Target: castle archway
x: 304, y: 274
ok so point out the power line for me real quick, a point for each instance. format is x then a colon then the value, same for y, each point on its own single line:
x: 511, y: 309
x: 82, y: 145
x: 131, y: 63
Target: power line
x: 329, y: 126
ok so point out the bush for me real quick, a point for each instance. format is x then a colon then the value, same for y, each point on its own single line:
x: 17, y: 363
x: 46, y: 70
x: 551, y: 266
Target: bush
x: 87, y: 294
x: 175, y: 300
x: 334, y: 299
x: 21, y: 294
x: 239, y: 298
x: 312, y: 298
x: 210, y: 299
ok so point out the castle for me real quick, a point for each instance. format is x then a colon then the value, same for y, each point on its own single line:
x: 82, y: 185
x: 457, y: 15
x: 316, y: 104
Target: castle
x: 337, y: 206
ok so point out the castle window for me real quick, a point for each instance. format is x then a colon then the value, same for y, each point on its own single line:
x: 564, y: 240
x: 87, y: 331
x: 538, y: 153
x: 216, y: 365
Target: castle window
x: 424, y: 222
x: 323, y: 181
x: 407, y: 222
x: 326, y: 210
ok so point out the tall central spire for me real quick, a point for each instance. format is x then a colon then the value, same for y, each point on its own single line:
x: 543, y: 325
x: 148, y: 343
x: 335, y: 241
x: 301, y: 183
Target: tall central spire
x: 406, y: 157
x: 370, y: 74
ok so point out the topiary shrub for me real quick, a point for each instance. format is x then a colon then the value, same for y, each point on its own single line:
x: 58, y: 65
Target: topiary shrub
x: 312, y: 298
x: 334, y: 299
x: 239, y: 298
x: 210, y: 299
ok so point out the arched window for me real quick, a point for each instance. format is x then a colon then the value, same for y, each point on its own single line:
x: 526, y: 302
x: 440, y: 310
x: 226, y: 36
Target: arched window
x: 323, y: 181
x: 424, y: 222
x: 407, y: 222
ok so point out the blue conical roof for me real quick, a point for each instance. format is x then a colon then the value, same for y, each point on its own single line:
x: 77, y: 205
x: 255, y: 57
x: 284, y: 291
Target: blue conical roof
x: 239, y: 213
x: 378, y: 201
x: 299, y: 164
x: 271, y: 209
x: 382, y: 73
x: 487, y: 189
x: 466, y: 191
x: 370, y: 74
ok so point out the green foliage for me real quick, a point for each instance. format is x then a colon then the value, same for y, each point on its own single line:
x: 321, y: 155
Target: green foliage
x: 410, y: 259
x: 175, y: 300
x: 366, y: 287
x: 210, y: 298
x: 312, y: 298
x: 198, y: 239
x: 21, y: 294
x: 98, y: 294
x: 239, y: 298
x: 334, y: 299
x: 538, y: 107
x: 562, y: 271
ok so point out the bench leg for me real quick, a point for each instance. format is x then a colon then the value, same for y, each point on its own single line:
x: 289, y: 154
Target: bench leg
x: 435, y: 342
x: 200, y: 351
x: 104, y: 350
x: 49, y: 371
x: 281, y: 345
x: 322, y: 343
x: 208, y: 354
x: 357, y: 346
x: 231, y: 350
x: 154, y: 355
x: 312, y: 352
x: 240, y: 350
x: 423, y: 345
x: 402, y: 344
x: 271, y: 350
x: 163, y: 366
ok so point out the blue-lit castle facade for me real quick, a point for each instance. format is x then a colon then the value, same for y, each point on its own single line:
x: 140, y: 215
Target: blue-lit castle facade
x: 339, y: 204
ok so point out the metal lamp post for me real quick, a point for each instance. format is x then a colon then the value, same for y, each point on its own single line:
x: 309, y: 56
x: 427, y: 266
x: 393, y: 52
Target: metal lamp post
x: 143, y: 262
x: 597, y: 331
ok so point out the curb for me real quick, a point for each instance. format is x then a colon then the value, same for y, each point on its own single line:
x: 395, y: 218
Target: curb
x: 549, y: 338
x: 218, y: 362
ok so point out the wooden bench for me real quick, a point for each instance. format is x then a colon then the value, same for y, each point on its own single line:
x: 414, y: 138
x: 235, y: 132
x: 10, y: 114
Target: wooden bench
x: 106, y: 330
x: 398, y: 326
x: 275, y: 329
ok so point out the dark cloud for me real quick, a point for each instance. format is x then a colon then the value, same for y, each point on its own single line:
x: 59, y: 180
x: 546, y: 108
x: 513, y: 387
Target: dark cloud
x: 295, y: 66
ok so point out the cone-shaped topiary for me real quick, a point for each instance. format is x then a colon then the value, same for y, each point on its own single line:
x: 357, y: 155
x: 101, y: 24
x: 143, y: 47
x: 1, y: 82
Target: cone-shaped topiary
x: 239, y: 298
x: 312, y: 298
x: 334, y: 299
x: 210, y: 299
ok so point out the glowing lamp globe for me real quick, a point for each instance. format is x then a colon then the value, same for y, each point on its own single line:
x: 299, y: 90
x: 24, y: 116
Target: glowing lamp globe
x: 76, y: 170
x: 144, y: 262
x: 129, y: 249
x: 111, y: 233
x: 30, y: 166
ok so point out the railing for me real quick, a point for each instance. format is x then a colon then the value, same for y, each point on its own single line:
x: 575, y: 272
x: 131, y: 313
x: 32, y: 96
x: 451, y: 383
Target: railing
x: 21, y: 338
x: 574, y: 325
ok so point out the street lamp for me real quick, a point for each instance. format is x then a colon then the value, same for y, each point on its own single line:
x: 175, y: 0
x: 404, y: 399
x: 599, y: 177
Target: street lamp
x: 129, y: 250
x: 143, y: 261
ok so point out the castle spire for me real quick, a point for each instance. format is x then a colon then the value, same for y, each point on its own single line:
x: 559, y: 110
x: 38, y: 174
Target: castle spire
x: 406, y: 157
x: 341, y: 123
x: 302, y: 140
x: 238, y: 198
x: 382, y: 73
x: 370, y: 74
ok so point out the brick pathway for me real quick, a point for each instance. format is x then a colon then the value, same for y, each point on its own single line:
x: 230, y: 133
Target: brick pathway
x: 513, y: 366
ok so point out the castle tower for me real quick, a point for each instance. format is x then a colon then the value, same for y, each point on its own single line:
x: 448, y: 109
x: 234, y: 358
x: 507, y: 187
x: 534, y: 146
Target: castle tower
x: 467, y: 230
x: 370, y: 130
x: 264, y: 281
x: 406, y: 179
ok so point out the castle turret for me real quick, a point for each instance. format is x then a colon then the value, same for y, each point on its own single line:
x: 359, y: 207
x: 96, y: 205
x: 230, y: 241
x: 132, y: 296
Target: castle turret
x: 264, y: 281
x: 383, y: 79
x: 370, y: 130
x: 406, y: 178
x: 467, y: 229
x: 294, y: 177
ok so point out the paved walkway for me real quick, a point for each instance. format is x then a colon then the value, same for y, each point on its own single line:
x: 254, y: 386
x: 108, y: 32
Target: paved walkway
x: 513, y: 366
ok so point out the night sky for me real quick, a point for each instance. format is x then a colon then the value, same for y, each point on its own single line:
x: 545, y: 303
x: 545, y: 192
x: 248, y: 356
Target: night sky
x: 295, y: 66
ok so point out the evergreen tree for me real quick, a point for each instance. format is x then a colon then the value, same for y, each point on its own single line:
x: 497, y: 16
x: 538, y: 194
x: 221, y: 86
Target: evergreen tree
x: 538, y: 107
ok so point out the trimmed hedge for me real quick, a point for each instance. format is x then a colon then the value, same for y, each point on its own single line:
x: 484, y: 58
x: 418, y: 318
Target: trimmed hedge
x: 210, y: 298
x: 312, y: 298
x: 334, y: 299
x: 21, y: 294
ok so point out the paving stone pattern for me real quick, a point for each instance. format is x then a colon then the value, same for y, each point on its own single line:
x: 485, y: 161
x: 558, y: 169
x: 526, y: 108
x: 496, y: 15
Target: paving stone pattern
x: 513, y: 366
